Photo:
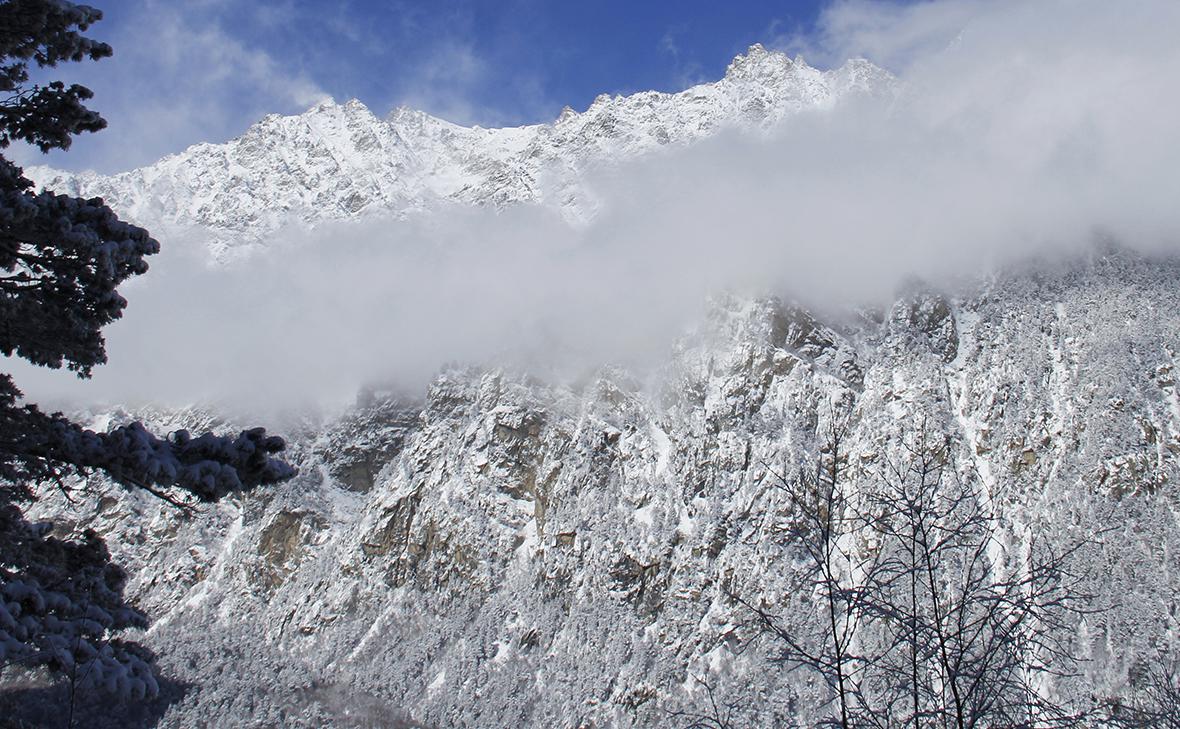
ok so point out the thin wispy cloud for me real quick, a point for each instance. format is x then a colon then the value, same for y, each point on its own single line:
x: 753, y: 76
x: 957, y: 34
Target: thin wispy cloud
x: 178, y: 77
x: 185, y: 73
x: 442, y: 84
x: 891, y: 34
x: 686, y: 71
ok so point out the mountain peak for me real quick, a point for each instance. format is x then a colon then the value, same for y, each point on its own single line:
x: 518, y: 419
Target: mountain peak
x: 758, y: 62
x: 337, y: 159
x: 329, y: 105
x: 567, y: 113
x: 323, y: 104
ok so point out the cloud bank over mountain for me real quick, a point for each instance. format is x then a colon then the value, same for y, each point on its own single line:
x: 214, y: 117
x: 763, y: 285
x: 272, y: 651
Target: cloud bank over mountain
x: 1018, y: 130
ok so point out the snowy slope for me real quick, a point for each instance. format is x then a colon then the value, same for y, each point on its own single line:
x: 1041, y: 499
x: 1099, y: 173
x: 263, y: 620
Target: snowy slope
x: 504, y: 551
x: 501, y: 550
x: 338, y: 161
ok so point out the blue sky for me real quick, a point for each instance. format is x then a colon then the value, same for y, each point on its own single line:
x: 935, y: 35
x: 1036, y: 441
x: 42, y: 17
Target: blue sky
x: 203, y: 70
x: 512, y: 60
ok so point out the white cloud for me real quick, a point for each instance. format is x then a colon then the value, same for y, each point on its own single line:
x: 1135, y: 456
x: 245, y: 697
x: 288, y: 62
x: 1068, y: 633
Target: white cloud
x: 451, y: 81
x: 891, y: 34
x: 1041, y: 126
x: 178, y: 77
x: 686, y: 71
x: 443, y: 83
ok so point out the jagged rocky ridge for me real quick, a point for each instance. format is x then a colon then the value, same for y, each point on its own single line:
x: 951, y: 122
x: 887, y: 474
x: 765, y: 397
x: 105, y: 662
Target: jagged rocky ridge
x: 512, y: 552
x: 340, y: 161
x: 508, y: 551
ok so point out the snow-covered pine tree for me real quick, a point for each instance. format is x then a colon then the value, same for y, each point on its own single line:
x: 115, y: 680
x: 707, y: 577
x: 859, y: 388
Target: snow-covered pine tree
x: 61, y: 261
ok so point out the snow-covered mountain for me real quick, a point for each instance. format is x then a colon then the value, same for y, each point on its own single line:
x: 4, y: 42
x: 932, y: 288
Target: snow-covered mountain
x: 502, y: 551
x: 506, y: 551
x: 336, y: 161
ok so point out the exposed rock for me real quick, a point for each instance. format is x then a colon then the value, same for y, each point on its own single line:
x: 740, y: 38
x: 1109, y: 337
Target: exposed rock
x: 338, y: 161
x: 281, y: 543
x: 537, y: 543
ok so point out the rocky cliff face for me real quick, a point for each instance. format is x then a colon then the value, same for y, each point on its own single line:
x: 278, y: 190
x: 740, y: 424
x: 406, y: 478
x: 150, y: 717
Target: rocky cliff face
x: 511, y: 552
x: 502, y: 550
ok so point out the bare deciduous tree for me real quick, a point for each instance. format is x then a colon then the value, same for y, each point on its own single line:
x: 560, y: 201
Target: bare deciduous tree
x: 819, y: 520
x: 972, y: 625
x: 716, y: 715
x: 1157, y: 705
x: 930, y: 612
